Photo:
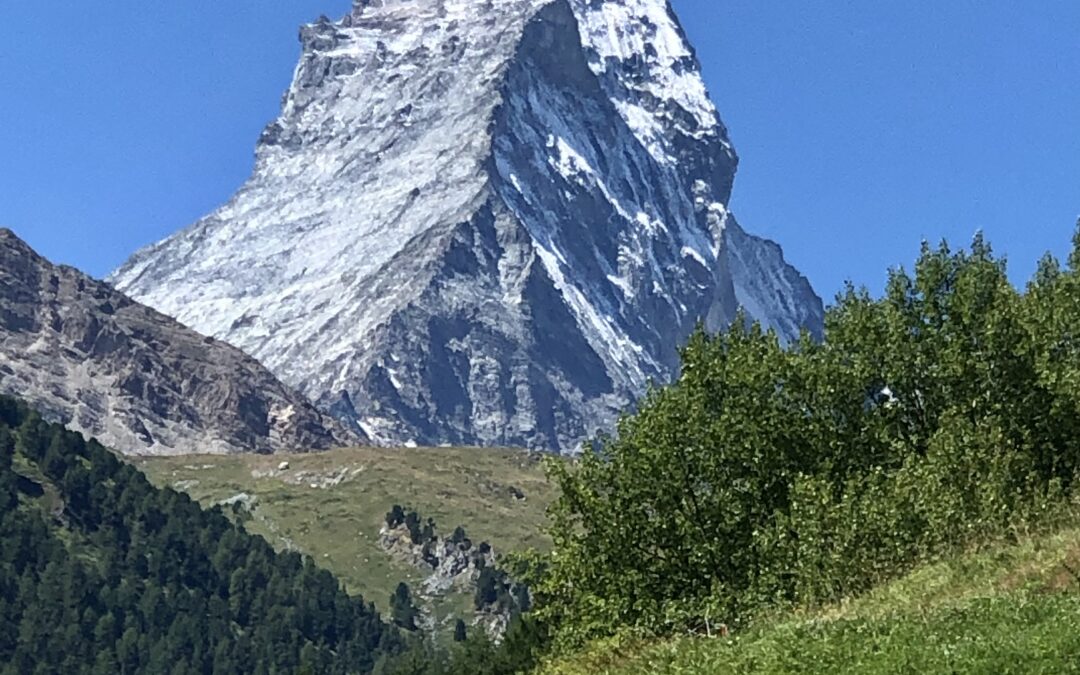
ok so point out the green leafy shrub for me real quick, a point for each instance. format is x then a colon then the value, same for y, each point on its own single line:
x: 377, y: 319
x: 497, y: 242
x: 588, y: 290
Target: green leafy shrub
x: 941, y: 414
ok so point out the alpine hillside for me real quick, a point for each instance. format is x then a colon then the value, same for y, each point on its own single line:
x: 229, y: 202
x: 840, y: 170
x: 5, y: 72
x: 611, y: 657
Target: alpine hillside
x: 486, y: 222
x: 85, y: 355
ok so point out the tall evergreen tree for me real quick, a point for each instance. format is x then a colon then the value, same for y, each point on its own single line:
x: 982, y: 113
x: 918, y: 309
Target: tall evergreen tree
x: 402, y: 610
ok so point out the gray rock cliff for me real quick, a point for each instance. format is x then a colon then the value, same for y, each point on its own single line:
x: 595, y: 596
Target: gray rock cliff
x: 89, y: 357
x: 485, y: 222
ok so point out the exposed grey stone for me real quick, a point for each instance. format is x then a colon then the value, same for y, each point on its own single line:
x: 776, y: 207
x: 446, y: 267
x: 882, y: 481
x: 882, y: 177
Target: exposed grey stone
x: 87, y: 356
x: 486, y: 223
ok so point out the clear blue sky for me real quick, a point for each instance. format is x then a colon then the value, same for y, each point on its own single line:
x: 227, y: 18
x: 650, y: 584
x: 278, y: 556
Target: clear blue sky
x: 863, y: 127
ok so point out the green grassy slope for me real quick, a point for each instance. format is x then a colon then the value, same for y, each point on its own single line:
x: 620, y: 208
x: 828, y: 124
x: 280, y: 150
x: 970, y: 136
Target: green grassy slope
x: 1009, y: 609
x: 338, y: 524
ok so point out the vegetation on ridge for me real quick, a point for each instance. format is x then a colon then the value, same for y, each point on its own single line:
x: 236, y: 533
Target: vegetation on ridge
x: 774, y: 478
x: 101, y: 572
x: 942, y: 414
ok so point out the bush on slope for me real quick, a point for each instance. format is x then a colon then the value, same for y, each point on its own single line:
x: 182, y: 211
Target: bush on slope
x: 940, y: 414
x: 1003, y: 609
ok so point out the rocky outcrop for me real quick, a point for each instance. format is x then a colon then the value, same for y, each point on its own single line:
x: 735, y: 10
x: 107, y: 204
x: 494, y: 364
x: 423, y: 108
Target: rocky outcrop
x: 451, y: 565
x: 458, y: 565
x: 89, y: 357
x: 488, y: 222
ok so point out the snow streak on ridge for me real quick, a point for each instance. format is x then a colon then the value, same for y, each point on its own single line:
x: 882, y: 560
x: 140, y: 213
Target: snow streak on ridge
x: 480, y: 221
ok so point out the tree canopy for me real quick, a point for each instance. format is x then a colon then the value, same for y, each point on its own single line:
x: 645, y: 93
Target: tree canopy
x: 771, y: 475
x: 101, y: 572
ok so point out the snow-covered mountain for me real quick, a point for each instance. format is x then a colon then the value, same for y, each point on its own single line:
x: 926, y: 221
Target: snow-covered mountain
x: 480, y: 222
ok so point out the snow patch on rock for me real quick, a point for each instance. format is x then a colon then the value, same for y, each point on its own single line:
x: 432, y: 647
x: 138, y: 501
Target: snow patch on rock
x: 485, y: 223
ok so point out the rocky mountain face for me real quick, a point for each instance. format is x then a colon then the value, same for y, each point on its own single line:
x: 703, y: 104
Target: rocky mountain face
x: 89, y: 357
x: 485, y: 222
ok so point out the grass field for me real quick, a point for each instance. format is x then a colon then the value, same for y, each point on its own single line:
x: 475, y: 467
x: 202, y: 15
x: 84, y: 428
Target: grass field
x: 1006, y: 609
x: 331, y: 505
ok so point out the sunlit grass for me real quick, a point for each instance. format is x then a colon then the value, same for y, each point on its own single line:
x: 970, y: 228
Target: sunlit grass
x: 1005, y: 609
x: 339, y: 525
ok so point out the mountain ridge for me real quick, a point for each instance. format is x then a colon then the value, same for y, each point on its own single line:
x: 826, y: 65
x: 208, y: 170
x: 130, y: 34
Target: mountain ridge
x: 487, y: 223
x: 103, y: 365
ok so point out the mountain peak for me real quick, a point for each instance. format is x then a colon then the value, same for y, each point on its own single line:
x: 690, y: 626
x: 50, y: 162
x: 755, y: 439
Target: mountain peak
x: 485, y: 223
x: 10, y: 239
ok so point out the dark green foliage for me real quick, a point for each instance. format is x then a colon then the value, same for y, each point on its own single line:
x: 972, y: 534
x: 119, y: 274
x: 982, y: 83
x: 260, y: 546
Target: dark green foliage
x: 487, y: 591
x: 100, y: 572
x: 420, y: 535
x: 412, y: 522
x: 402, y: 610
x: 420, y: 532
x: 522, y: 600
x: 519, y: 652
x: 936, y: 416
x: 497, y: 591
x: 497, y: 594
x: 395, y: 517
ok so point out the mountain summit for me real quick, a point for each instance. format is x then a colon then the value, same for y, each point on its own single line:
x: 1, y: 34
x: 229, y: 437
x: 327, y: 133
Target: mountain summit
x: 483, y: 222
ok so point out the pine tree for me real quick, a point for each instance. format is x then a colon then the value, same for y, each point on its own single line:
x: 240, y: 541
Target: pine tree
x: 487, y: 591
x: 412, y: 522
x: 395, y: 517
x: 1074, y: 256
x: 402, y: 610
